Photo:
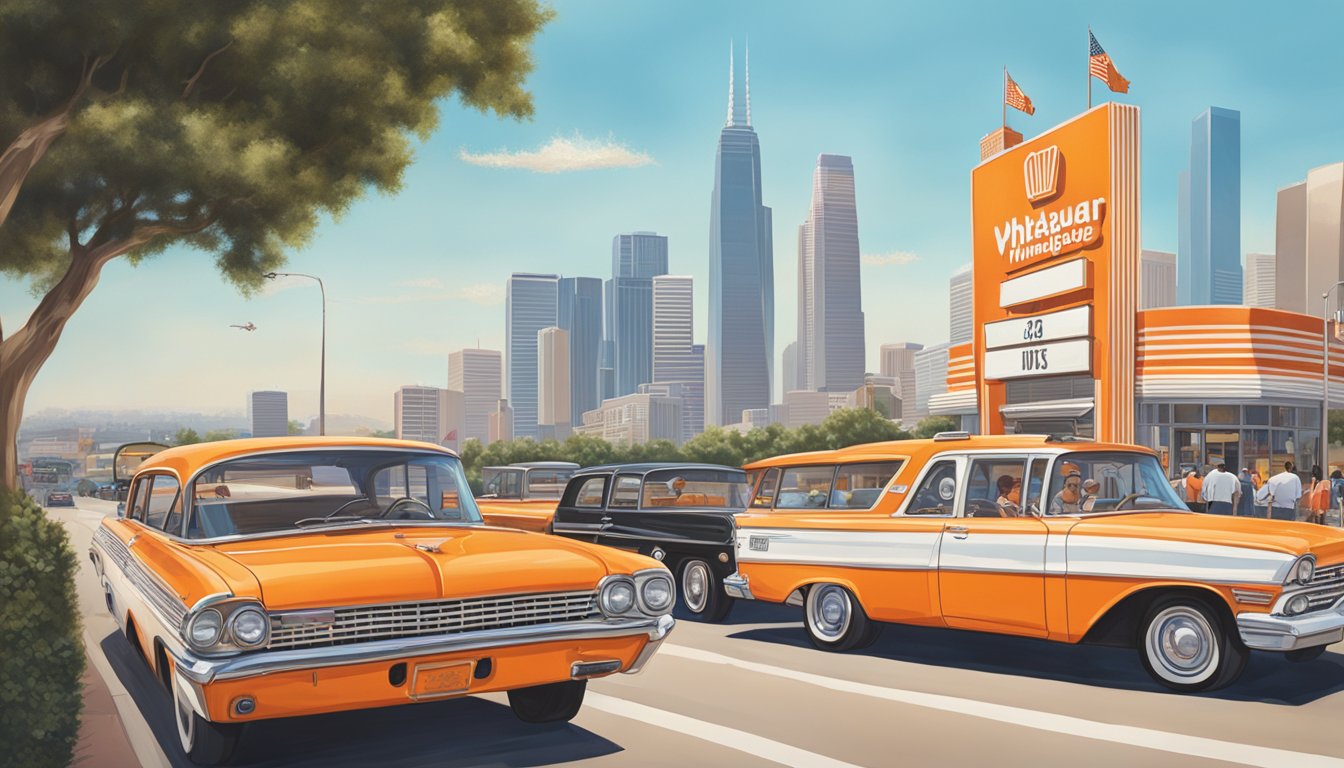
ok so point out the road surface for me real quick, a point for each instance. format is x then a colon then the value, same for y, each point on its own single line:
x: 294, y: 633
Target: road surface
x: 753, y: 692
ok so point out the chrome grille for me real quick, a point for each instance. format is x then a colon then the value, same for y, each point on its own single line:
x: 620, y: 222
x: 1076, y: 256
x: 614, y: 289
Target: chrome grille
x: 1328, y: 575
x: 435, y: 617
x: 1326, y: 587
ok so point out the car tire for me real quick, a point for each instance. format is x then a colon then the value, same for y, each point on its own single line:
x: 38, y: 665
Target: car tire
x: 702, y: 593
x: 835, y: 620
x: 1186, y: 647
x: 551, y: 703
x: 205, y: 743
x: 1303, y: 655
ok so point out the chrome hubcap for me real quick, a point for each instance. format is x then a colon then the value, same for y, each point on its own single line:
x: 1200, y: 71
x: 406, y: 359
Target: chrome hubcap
x: 695, y: 586
x: 829, y: 611
x: 1182, y: 645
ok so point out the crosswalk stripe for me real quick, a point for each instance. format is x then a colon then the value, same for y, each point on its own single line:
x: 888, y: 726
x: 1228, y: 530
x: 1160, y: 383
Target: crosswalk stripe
x: 1165, y: 741
x: 750, y: 743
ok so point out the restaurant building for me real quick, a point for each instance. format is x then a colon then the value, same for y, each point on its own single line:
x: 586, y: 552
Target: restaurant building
x: 1062, y: 346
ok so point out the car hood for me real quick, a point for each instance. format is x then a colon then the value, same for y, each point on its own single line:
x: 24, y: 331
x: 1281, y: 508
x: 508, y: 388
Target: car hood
x: 363, y: 567
x: 1253, y: 533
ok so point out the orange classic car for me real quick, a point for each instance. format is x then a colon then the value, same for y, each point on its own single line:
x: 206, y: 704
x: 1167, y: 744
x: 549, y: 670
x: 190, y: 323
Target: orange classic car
x: 523, y: 495
x: 1034, y: 536
x: 276, y: 577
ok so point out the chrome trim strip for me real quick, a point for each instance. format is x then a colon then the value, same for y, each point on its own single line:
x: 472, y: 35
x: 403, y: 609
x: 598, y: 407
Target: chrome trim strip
x: 158, y: 596
x: 1265, y: 632
x: 727, y: 543
x: 656, y: 637
x: 1252, y: 597
x: 736, y: 585
x: 204, y: 671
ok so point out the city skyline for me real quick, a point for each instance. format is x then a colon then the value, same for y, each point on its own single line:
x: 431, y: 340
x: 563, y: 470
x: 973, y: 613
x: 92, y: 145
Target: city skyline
x: 433, y: 298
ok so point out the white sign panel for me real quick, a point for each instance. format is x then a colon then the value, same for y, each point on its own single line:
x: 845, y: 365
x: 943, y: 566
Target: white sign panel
x: 1044, y: 283
x: 1039, y: 360
x: 1068, y: 324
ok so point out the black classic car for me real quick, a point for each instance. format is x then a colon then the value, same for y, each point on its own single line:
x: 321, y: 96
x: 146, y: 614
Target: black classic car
x: 681, y: 514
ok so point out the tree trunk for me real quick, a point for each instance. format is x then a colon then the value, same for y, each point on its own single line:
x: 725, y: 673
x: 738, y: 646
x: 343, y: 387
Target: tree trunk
x: 24, y: 352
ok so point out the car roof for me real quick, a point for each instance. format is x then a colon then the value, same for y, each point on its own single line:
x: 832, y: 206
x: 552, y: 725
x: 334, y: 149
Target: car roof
x: 186, y: 460
x: 929, y: 447
x: 650, y: 466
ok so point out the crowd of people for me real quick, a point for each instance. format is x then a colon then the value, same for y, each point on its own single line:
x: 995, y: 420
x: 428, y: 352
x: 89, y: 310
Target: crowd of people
x: 1281, y: 496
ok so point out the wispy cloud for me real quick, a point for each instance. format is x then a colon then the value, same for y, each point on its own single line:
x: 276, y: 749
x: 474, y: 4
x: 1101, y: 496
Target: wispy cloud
x: 561, y: 155
x: 431, y: 289
x: 899, y: 258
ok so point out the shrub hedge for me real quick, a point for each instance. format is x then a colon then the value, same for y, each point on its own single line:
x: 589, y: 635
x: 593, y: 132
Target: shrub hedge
x: 41, y: 652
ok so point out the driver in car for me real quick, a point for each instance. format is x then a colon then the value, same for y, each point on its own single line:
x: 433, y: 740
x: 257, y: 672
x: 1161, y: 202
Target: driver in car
x: 1069, y: 500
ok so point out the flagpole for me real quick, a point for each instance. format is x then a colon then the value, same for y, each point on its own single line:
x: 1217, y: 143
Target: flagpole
x: 1089, y: 67
x: 1004, y: 99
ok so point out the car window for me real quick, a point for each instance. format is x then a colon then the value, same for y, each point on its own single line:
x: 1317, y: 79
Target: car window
x: 1035, y: 487
x: 765, y: 490
x: 590, y: 493
x: 547, y: 483
x: 1097, y: 481
x: 937, y: 492
x: 139, y: 497
x: 859, y: 486
x: 994, y: 487
x: 626, y: 493
x: 805, y: 488
x: 162, y: 495
x: 696, y: 487
x: 504, y: 483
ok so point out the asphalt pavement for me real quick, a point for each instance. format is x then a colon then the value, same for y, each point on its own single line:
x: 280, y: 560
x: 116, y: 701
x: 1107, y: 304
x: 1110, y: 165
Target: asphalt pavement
x: 753, y: 692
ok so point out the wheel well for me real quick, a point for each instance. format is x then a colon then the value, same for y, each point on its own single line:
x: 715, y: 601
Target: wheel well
x: 133, y: 634
x: 1119, y: 626
x: 162, y: 668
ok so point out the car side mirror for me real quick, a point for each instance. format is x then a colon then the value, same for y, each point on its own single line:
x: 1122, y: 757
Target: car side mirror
x: 121, y: 509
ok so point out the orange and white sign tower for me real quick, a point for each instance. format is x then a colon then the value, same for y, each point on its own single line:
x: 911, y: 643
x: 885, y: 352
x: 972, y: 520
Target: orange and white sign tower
x: 1055, y: 236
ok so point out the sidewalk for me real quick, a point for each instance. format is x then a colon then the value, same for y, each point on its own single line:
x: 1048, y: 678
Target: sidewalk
x: 102, y: 739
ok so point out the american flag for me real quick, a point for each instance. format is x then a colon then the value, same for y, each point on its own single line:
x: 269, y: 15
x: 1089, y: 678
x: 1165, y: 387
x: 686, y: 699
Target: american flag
x: 1014, y: 97
x: 1100, y: 66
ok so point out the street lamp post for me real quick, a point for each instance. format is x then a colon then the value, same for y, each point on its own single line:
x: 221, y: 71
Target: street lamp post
x: 1325, y: 378
x: 322, y: 385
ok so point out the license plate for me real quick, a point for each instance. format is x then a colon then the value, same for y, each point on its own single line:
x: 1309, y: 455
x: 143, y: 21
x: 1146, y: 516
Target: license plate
x: 435, y: 680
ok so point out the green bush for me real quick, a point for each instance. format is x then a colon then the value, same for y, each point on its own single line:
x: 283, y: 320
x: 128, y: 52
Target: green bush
x: 41, y: 653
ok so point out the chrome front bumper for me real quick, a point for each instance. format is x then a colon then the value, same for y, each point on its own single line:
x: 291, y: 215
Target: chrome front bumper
x: 202, y: 670
x: 1267, y: 632
x: 736, y: 585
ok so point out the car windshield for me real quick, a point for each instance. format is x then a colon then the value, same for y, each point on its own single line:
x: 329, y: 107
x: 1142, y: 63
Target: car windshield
x: 1109, y: 481
x: 268, y: 493
x: 717, y: 488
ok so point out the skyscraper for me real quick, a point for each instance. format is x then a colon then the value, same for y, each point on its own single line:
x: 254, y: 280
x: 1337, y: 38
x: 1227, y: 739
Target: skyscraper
x: 476, y: 373
x: 961, y: 320
x: 788, y: 372
x: 830, y: 310
x: 530, y: 304
x: 636, y: 259
x: 429, y: 414
x: 740, y: 350
x: 1209, y: 258
x: 269, y: 413
x: 1157, y: 279
x: 898, y: 362
x: 930, y: 379
x: 1309, y: 240
x: 580, y: 313
x: 675, y: 358
x: 1259, y: 286
x: 553, y: 384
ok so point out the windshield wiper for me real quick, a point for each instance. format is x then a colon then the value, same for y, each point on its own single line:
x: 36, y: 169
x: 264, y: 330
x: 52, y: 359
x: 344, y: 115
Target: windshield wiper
x: 313, y: 522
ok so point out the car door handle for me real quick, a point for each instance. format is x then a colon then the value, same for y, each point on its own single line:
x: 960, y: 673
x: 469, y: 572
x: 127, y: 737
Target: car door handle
x: 958, y: 531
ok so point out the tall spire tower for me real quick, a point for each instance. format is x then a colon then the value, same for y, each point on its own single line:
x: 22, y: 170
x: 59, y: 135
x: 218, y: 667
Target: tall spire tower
x: 741, y: 338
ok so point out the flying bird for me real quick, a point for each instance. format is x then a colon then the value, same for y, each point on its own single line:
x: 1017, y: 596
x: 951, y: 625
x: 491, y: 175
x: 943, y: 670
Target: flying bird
x: 245, y: 326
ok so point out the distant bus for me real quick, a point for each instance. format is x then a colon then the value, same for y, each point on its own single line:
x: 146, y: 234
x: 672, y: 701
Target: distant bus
x: 47, y: 471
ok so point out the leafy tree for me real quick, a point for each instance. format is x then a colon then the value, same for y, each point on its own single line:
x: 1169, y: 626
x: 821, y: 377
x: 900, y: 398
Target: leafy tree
x: 295, y: 427
x: 186, y: 436
x: 932, y: 425
x: 132, y: 126
x: 215, y: 435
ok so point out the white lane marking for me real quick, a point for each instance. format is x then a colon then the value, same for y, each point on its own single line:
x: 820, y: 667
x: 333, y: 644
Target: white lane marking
x: 1178, y: 743
x: 750, y: 743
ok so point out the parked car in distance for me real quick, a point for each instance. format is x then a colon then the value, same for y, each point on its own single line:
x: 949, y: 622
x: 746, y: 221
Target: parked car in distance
x: 999, y: 534
x: 523, y: 495
x: 60, y: 499
x: 279, y: 577
x: 681, y: 514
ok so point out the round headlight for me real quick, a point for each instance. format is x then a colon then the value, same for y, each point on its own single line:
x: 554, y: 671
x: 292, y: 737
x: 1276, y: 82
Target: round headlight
x: 1298, y: 605
x: 657, y: 594
x: 618, y: 597
x: 205, y: 628
x: 248, y: 626
x: 1306, y: 568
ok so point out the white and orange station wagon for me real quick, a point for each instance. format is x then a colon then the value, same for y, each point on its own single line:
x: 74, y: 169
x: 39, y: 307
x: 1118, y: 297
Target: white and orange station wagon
x: 1038, y: 537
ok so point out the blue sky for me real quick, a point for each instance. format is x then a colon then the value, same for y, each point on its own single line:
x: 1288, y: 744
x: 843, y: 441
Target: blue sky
x: 907, y: 90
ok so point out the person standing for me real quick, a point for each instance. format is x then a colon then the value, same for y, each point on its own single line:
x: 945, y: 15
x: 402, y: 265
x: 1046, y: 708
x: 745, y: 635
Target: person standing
x: 1318, y: 501
x: 1194, y: 488
x: 1220, y: 490
x: 1246, y: 500
x: 1281, y: 493
x: 1337, y: 492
